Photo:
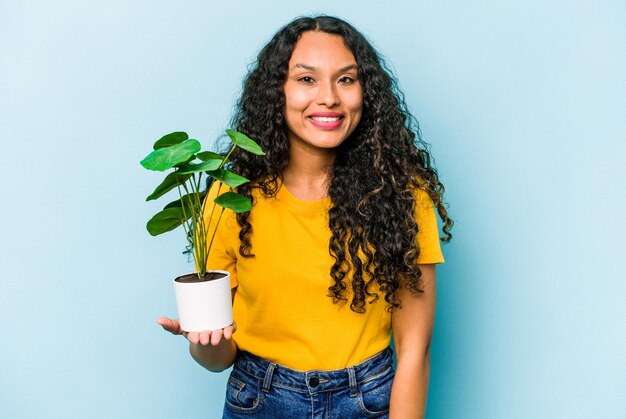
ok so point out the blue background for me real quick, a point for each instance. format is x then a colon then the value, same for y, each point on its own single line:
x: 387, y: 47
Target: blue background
x: 524, y: 103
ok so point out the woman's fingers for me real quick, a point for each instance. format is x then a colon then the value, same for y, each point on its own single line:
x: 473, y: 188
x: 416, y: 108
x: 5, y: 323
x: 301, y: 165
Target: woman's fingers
x: 205, y: 337
x: 229, y: 330
x: 193, y: 337
x: 214, y: 337
x: 202, y: 338
x: 226, y: 333
x: 170, y: 325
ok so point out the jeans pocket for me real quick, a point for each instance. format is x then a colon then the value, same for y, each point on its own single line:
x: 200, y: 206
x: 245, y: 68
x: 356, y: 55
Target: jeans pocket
x: 243, y: 394
x: 374, y: 395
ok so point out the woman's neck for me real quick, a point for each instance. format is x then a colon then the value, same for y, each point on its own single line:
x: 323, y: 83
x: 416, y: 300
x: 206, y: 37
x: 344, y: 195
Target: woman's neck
x: 307, y: 174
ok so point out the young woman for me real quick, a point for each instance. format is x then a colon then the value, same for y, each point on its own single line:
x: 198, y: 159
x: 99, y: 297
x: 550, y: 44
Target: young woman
x: 340, y: 246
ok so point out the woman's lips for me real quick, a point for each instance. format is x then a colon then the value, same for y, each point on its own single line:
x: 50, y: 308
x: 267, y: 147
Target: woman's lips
x: 326, y: 122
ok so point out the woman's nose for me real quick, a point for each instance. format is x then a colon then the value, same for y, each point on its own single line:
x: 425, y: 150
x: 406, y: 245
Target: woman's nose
x: 327, y: 95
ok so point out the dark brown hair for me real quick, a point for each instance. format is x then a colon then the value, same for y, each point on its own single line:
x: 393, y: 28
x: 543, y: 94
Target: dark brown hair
x: 374, y: 177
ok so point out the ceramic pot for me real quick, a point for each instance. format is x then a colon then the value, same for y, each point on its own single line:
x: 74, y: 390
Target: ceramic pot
x: 204, y: 305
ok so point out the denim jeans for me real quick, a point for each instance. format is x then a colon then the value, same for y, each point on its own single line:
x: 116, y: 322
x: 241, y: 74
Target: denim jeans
x: 262, y: 389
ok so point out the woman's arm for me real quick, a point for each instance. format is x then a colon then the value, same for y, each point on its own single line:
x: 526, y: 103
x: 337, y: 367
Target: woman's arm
x: 412, y: 327
x: 214, y: 350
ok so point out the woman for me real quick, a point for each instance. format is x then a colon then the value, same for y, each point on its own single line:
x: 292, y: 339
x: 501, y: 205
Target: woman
x: 341, y: 244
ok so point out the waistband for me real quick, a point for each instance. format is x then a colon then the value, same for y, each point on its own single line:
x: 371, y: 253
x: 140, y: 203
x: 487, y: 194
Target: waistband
x: 314, y: 381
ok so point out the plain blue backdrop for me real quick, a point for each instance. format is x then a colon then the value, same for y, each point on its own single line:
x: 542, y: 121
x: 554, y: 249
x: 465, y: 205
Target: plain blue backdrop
x: 524, y: 103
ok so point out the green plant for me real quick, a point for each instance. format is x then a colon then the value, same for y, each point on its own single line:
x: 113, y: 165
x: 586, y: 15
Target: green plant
x: 182, y: 154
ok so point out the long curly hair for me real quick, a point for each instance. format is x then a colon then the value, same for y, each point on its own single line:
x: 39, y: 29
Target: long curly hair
x: 373, y: 179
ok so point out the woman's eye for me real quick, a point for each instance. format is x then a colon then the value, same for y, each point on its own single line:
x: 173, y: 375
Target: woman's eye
x: 306, y: 79
x: 346, y: 80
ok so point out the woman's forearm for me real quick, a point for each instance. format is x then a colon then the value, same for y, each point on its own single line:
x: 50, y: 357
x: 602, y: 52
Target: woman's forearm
x: 214, y: 358
x: 410, y: 388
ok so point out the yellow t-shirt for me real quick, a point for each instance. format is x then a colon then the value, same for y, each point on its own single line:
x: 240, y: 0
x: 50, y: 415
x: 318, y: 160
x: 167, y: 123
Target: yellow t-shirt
x: 281, y: 303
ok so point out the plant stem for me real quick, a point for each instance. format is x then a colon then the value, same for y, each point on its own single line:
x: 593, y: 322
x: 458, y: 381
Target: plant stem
x: 215, y: 230
x: 197, y: 231
x: 186, y: 227
x: 227, y: 156
x: 211, y: 217
x: 182, y: 204
x: 191, y: 216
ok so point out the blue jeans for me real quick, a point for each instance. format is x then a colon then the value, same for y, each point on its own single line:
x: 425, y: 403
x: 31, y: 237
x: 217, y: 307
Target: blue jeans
x: 262, y: 389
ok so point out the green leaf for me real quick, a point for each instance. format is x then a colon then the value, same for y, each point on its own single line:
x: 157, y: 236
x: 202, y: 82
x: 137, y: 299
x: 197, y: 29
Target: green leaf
x: 166, y: 157
x: 174, y: 204
x: 170, y: 182
x: 208, y: 155
x: 200, y: 167
x: 245, y: 142
x: 189, y: 160
x: 228, y: 178
x: 233, y: 201
x: 171, y: 139
x: 165, y: 221
x: 192, y: 202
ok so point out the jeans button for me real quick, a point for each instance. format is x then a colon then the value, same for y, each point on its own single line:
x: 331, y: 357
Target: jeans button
x: 314, y: 381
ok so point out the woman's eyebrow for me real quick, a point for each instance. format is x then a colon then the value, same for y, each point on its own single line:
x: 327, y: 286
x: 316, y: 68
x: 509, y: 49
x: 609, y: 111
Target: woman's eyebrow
x: 313, y: 68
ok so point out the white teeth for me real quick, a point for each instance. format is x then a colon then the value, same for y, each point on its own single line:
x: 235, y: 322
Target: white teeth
x: 326, y: 118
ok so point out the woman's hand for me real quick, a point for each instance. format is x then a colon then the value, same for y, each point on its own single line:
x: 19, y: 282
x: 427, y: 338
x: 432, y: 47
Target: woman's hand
x: 214, y: 337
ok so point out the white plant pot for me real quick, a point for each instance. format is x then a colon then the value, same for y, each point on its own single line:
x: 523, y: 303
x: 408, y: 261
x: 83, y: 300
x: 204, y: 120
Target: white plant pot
x: 204, y: 305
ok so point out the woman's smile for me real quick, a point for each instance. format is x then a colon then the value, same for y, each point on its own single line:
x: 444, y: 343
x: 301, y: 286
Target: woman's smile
x: 326, y: 120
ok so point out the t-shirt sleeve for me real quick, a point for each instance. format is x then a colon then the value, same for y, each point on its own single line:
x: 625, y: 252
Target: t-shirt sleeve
x: 223, y: 255
x: 428, y: 232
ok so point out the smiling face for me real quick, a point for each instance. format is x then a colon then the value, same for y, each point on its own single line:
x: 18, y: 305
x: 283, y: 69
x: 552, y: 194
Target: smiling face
x: 323, y: 95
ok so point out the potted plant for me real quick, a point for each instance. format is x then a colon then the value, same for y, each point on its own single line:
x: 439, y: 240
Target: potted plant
x: 203, y: 298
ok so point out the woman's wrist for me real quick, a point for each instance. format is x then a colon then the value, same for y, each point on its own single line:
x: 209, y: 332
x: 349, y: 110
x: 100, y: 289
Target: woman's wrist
x: 214, y: 358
